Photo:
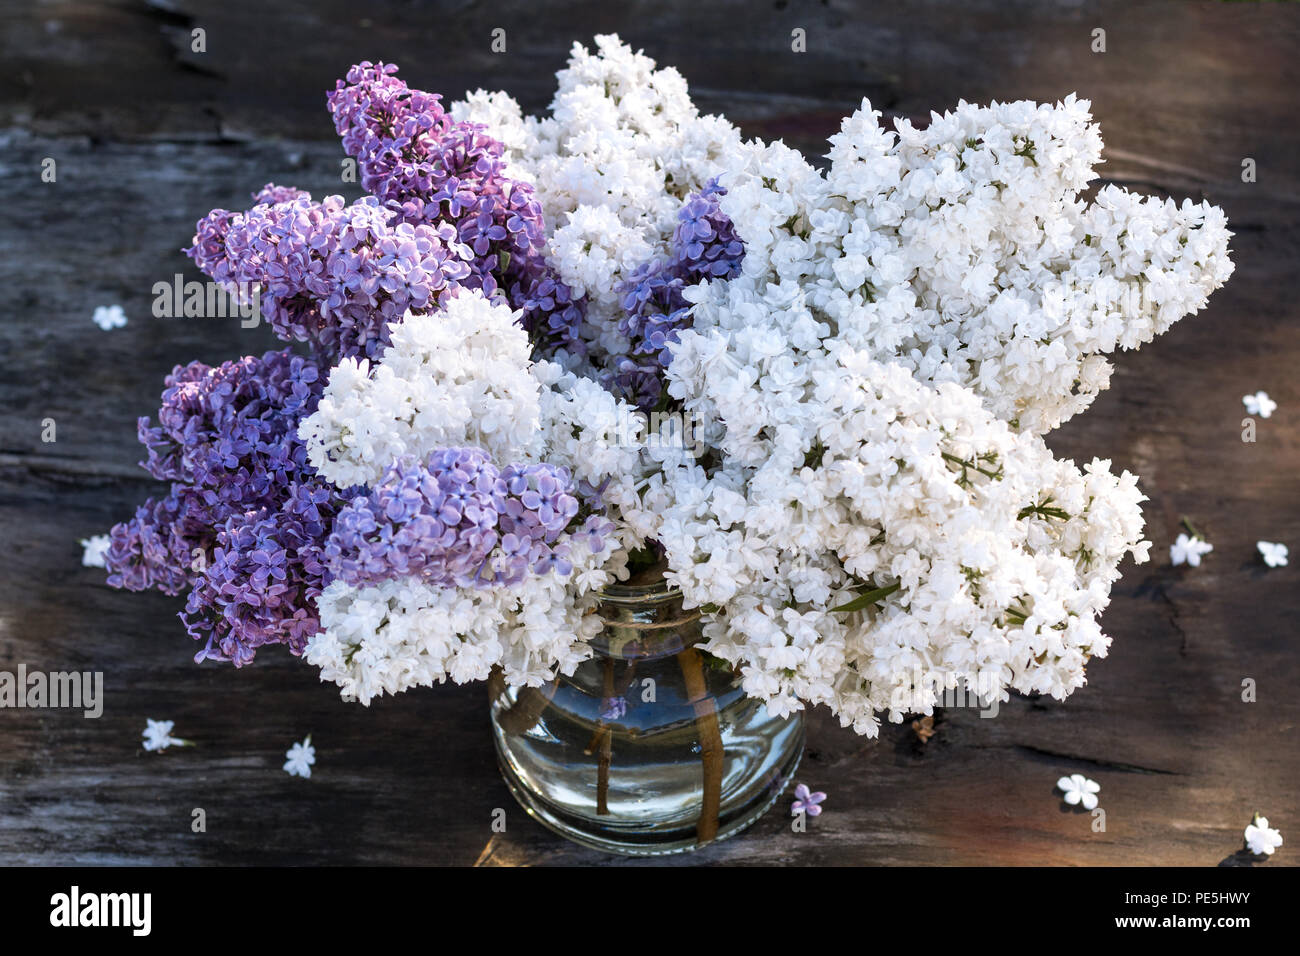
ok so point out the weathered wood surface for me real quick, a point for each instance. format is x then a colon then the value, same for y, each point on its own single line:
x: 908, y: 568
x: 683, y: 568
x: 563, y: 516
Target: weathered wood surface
x: 148, y: 136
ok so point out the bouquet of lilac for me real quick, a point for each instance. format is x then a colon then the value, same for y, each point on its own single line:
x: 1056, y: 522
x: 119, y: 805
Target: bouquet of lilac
x: 858, y: 364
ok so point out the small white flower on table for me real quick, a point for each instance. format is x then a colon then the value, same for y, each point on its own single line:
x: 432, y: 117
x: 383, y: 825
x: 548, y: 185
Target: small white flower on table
x: 1261, y: 839
x: 1275, y: 555
x: 109, y: 317
x: 299, y: 759
x: 1079, y: 790
x: 1188, y: 549
x: 158, y: 735
x: 93, y: 550
x: 1259, y: 404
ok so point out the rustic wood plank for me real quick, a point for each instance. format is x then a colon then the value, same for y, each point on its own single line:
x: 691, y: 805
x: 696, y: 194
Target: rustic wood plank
x: 148, y: 136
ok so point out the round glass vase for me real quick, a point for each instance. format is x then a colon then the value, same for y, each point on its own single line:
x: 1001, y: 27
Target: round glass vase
x: 650, y: 747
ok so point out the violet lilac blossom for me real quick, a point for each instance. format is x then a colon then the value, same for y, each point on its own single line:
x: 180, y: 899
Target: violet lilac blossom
x: 704, y: 246
x: 417, y: 160
x: 457, y: 520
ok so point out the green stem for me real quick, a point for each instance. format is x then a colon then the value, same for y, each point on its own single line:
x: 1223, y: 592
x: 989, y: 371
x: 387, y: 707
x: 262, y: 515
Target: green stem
x: 868, y: 598
x: 970, y: 464
x: 1045, y: 511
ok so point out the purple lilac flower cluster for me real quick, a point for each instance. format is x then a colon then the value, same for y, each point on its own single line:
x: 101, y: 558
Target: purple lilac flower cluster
x: 266, y: 572
x: 227, y: 436
x: 271, y: 193
x: 457, y: 520
x: 704, y: 246
x: 157, y: 547
x: 247, y: 526
x: 227, y: 441
x: 434, y: 519
x: 432, y: 169
x: 330, y: 273
x: 392, y: 131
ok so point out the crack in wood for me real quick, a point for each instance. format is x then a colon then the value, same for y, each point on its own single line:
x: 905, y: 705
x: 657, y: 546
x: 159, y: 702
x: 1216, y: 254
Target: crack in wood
x: 72, y: 468
x: 1097, y: 761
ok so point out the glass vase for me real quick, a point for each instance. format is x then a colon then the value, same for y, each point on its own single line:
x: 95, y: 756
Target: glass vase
x: 650, y: 747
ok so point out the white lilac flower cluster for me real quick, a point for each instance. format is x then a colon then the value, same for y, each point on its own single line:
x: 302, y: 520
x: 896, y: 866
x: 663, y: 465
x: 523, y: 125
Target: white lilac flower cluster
x: 988, y: 560
x: 611, y: 165
x: 459, y: 378
x: 875, y: 518
x: 449, y: 378
x: 964, y: 252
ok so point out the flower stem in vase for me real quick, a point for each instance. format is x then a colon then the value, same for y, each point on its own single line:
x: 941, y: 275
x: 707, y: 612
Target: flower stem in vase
x: 706, y: 722
x: 606, y: 748
x: 527, y: 709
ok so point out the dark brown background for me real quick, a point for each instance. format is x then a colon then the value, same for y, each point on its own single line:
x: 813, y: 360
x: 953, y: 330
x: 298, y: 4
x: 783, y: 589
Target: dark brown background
x: 148, y: 136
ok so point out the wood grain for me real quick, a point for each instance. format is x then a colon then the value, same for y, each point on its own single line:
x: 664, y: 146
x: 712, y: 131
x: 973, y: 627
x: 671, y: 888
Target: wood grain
x: 149, y: 135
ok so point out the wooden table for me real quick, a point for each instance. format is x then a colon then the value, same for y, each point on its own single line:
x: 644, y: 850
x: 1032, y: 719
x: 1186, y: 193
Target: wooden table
x: 148, y: 135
